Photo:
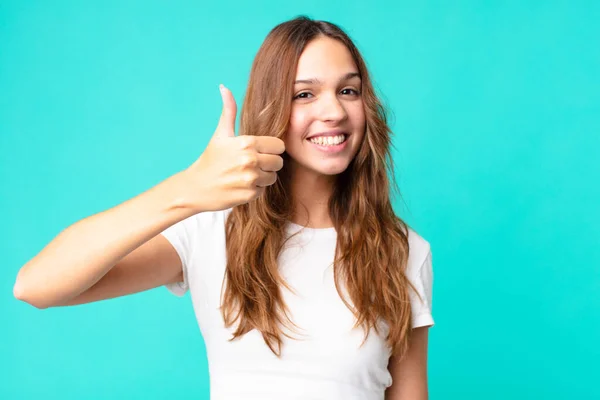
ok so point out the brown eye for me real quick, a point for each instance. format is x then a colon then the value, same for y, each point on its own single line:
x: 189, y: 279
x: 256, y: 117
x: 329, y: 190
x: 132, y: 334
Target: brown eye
x: 301, y: 95
x: 355, y: 92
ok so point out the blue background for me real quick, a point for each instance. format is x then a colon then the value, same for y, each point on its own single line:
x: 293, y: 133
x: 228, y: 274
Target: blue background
x: 497, y: 123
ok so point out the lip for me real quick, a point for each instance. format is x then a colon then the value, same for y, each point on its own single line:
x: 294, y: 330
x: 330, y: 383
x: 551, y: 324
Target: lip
x: 334, y: 132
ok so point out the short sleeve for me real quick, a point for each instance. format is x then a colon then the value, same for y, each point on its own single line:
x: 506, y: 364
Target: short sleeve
x: 181, y: 236
x: 422, y: 279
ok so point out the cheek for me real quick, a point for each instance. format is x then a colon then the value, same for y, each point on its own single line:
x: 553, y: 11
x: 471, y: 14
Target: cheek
x: 358, y: 115
x: 299, y: 126
x: 299, y: 120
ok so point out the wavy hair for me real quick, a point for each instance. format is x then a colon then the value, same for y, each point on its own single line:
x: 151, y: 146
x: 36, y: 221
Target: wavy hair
x: 372, y: 249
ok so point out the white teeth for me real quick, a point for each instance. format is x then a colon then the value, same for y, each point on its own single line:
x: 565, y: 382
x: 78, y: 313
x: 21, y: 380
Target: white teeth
x: 329, y: 140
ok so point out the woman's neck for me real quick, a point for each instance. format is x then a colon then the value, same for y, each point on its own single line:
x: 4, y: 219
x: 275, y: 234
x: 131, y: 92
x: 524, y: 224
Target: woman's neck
x: 311, y: 193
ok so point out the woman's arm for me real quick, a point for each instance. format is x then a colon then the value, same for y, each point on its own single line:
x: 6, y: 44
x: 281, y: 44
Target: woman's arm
x: 85, y: 252
x: 410, y: 374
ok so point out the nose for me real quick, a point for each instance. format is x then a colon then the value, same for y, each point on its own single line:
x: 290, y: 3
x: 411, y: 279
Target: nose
x: 331, y: 109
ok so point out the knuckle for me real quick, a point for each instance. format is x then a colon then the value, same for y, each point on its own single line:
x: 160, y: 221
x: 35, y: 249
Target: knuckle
x: 250, y: 160
x: 250, y: 178
x: 246, y: 142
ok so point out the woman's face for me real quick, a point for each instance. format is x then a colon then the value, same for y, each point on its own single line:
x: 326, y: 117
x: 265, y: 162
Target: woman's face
x: 328, y: 105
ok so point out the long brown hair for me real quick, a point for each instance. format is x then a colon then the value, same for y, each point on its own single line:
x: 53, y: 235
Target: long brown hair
x: 372, y: 242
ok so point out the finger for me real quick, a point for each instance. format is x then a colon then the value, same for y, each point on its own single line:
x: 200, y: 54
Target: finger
x: 269, y: 162
x: 269, y: 145
x: 266, y: 178
x: 226, y: 125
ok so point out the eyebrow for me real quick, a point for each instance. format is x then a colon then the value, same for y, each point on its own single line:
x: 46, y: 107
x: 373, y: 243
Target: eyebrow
x: 315, y: 81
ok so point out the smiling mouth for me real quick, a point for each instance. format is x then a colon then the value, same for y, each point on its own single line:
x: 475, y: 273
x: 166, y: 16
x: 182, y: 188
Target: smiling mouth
x: 329, y: 140
x: 334, y: 147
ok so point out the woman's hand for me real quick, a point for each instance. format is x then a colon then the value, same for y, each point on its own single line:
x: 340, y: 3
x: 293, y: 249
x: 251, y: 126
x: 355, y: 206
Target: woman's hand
x: 232, y: 170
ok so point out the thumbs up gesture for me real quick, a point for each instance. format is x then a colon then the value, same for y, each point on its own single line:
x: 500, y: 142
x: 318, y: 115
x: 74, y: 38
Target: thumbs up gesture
x: 232, y: 170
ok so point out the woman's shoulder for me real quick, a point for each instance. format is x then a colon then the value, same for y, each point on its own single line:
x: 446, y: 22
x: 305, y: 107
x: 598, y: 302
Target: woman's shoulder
x: 419, y: 249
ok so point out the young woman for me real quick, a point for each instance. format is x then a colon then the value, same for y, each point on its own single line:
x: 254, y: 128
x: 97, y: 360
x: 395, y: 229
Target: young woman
x: 304, y: 282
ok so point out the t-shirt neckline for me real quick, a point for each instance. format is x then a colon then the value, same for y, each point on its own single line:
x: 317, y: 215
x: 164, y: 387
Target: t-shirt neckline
x: 320, y: 232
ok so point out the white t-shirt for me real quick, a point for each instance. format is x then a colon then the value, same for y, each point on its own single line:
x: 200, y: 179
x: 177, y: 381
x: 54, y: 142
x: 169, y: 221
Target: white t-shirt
x: 325, y: 361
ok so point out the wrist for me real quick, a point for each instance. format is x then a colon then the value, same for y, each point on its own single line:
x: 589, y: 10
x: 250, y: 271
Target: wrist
x: 179, y: 194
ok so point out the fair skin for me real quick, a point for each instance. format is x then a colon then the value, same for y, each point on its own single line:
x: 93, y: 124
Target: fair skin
x: 331, y: 101
x: 329, y: 98
x: 409, y: 376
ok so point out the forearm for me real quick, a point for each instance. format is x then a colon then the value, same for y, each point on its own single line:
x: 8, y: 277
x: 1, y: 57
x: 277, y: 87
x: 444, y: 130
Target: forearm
x: 85, y: 251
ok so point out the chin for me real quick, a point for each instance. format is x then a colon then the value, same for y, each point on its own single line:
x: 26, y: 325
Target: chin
x: 325, y: 167
x: 330, y: 170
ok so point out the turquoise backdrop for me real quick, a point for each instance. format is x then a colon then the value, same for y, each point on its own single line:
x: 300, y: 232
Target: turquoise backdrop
x: 497, y: 131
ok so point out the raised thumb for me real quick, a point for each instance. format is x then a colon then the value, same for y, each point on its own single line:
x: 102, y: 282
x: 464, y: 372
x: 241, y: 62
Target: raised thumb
x: 227, y: 121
